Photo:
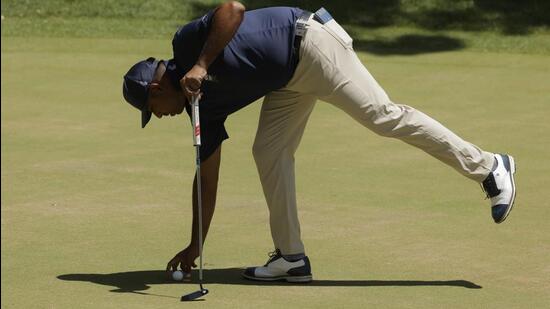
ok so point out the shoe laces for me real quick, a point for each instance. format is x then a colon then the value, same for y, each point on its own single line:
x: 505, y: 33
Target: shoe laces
x: 489, y: 185
x: 483, y: 190
x: 273, y: 256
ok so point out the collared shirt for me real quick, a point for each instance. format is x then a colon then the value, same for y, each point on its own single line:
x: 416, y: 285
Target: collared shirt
x: 259, y: 59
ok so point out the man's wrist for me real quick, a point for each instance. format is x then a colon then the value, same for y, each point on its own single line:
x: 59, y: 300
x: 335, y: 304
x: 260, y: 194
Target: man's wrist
x: 203, y: 65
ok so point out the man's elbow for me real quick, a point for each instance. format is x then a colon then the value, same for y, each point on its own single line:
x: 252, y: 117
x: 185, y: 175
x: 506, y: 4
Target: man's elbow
x: 236, y: 7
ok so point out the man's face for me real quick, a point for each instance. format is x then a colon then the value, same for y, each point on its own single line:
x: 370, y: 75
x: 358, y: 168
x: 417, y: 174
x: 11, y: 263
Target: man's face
x: 166, y: 101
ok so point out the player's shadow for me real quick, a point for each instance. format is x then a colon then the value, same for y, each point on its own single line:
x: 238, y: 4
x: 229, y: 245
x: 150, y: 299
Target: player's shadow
x: 409, y: 44
x: 135, y: 281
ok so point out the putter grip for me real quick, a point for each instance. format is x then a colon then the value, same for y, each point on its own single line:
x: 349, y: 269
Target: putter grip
x: 195, y: 120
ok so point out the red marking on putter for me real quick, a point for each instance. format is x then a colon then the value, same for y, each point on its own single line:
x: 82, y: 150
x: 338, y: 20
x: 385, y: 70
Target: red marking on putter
x: 197, y: 130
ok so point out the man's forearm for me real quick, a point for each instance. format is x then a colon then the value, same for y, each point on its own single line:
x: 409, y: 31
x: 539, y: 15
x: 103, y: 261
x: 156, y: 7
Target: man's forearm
x: 208, y: 206
x: 226, y: 21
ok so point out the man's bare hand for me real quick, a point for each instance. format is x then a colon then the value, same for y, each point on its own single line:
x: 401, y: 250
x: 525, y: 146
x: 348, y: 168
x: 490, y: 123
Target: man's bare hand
x: 192, y: 81
x: 185, y: 259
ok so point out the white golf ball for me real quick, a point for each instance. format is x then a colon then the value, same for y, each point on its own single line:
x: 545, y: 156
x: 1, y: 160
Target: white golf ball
x: 178, y: 275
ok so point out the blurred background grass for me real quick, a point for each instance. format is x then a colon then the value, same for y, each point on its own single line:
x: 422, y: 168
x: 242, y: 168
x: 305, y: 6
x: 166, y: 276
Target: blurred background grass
x: 378, y: 26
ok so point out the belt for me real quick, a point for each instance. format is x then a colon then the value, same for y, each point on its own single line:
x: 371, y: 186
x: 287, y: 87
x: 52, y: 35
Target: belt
x: 299, y: 32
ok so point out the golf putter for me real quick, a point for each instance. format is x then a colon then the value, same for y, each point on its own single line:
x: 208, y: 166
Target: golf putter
x: 195, y: 120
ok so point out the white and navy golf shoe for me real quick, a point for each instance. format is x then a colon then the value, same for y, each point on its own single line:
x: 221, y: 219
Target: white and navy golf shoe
x: 277, y: 268
x: 500, y: 187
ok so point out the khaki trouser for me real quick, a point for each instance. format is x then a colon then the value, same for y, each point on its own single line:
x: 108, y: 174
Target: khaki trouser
x: 331, y: 71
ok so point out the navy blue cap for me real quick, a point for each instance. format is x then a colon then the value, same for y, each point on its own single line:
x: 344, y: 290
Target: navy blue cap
x: 136, y: 86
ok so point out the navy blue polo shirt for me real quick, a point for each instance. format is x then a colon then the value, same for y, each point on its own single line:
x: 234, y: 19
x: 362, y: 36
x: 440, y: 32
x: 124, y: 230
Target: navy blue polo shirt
x: 259, y: 59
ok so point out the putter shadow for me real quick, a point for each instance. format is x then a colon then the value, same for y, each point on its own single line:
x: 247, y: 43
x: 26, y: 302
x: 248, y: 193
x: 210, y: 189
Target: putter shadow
x: 134, y: 281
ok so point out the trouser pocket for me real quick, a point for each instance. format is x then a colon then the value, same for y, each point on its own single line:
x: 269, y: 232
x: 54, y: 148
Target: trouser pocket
x: 332, y: 27
x: 339, y: 33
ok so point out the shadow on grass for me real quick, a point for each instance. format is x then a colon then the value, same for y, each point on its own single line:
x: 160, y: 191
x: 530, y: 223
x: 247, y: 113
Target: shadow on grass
x: 136, y: 281
x: 410, y: 44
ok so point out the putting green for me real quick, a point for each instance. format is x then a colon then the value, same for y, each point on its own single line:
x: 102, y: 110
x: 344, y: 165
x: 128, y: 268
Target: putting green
x: 93, y: 207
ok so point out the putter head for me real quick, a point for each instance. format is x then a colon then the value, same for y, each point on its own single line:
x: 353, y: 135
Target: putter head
x: 194, y: 295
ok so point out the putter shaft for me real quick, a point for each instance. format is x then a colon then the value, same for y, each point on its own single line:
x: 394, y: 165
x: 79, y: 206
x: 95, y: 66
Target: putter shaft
x: 195, y: 119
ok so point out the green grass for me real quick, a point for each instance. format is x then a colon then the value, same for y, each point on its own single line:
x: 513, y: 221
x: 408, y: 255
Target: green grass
x: 507, y: 16
x: 85, y: 191
x: 384, y: 27
x: 93, y: 207
x: 382, y: 40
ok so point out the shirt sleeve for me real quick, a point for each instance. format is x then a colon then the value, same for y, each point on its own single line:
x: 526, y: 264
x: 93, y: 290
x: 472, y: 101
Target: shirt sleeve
x: 213, y: 133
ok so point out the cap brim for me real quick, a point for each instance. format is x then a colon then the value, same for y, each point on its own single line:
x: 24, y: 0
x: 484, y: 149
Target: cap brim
x: 145, y: 117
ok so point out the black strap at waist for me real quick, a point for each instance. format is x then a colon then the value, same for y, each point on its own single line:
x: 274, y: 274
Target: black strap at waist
x: 299, y: 32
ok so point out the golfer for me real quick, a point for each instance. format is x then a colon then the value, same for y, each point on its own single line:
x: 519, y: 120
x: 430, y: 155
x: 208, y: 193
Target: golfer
x: 292, y: 58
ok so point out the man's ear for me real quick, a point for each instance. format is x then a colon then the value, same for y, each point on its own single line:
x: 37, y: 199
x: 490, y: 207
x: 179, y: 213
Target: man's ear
x: 155, y: 88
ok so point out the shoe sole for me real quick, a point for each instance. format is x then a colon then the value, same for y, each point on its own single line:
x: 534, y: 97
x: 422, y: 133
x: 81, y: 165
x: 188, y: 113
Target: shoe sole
x: 512, y: 172
x: 291, y: 279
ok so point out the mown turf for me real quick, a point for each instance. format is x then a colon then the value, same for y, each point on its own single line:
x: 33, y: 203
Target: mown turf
x: 399, y: 27
x: 93, y: 207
